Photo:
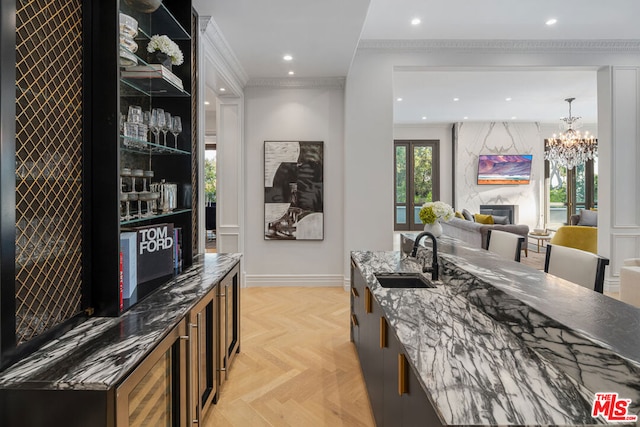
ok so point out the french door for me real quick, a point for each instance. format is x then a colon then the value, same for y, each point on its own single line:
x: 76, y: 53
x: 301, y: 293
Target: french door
x: 416, y: 180
x: 570, y: 190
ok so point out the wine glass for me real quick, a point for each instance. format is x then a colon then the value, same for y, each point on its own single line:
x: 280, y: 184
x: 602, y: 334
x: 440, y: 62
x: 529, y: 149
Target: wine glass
x: 176, y: 129
x: 166, y: 127
x: 158, y: 122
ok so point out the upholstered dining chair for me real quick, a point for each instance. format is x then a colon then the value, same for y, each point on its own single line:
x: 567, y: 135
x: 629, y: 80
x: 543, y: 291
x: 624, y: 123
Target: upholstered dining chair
x: 505, y: 244
x: 630, y: 281
x: 577, y: 266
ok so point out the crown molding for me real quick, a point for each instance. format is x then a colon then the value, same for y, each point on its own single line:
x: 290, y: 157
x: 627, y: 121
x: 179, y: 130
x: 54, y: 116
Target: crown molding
x: 501, y: 46
x: 299, y: 82
x: 217, y: 47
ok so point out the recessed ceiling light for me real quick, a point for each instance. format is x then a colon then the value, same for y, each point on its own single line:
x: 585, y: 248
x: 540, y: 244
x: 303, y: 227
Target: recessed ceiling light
x: 415, y: 21
x: 398, y: 99
x: 424, y: 117
x: 456, y: 99
x: 551, y: 21
x: 465, y: 117
x: 513, y: 117
x: 507, y: 99
x: 291, y: 73
x: 222, y: 89
x: 287, y: 57
x: 206, y: 103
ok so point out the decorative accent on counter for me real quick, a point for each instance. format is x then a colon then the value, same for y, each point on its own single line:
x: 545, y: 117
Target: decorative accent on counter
x: 293, y: 190
x: 432, y: 213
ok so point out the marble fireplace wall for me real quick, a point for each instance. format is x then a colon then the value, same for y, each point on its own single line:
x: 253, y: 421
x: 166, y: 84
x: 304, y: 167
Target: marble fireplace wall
x: 473, y: 139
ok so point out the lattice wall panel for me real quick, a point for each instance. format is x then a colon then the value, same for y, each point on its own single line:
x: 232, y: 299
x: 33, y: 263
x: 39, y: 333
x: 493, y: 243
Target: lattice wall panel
x: 48, y: 164
x: 194, y: 131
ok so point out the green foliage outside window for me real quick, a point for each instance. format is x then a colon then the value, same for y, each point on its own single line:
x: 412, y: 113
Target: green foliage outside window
x: 210, y: 180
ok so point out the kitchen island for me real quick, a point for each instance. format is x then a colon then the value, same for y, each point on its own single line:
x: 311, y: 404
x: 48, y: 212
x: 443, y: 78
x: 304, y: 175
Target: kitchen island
x: 499, y: 343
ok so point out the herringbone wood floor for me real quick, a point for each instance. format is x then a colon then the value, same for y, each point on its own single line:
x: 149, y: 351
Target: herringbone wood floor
x: 296, y: 366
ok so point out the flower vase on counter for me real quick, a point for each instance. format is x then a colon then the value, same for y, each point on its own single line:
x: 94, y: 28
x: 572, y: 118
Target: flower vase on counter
x: 432, y: 213
x: 434, y: 228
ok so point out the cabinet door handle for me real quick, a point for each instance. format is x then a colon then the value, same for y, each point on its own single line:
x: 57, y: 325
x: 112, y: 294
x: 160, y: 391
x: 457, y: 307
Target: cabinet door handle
x: 402, y: 374
x: 226, y: 333
x: 367, y: 300
x: 354, y: 292
x: 383, y: 332
x: 198, y: 325
x: 354, y: 320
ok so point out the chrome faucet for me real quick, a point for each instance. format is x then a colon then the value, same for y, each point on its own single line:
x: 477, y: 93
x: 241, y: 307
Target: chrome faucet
x: 434, y: 261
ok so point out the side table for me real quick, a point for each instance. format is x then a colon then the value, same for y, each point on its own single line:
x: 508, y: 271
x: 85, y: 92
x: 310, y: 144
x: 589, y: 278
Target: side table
x: 540, y: 239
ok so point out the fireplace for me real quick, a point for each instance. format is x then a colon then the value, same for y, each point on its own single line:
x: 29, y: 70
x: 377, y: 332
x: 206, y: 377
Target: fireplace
x: 501, y: 210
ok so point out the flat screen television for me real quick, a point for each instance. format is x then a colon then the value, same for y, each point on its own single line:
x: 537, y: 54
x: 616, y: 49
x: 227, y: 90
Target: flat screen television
x: 500, y: 170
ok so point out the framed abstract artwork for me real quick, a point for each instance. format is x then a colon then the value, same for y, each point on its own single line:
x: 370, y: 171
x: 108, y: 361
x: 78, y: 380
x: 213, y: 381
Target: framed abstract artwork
x: 293, y: 190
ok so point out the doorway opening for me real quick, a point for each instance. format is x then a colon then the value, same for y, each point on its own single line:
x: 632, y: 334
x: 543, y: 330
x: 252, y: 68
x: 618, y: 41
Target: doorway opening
x: 210, y: 169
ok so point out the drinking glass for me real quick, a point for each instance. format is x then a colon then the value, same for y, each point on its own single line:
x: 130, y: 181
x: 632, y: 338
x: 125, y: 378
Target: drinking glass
x: 135, y: 114
x: 166, y: 127
x: 157, y: 119
x: 176, y: 129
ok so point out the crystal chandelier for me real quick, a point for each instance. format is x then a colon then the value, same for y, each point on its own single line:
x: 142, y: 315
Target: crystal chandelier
x: 571, y: 148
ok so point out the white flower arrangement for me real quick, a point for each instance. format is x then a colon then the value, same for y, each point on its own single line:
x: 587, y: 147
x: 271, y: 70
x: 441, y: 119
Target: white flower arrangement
x: 165, y: 45
x: 433, y: 211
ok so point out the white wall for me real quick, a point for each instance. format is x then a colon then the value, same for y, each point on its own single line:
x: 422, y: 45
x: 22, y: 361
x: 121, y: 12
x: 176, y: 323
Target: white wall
x: 474, y: 139
x: 286, y: 114
x: 442, y: 133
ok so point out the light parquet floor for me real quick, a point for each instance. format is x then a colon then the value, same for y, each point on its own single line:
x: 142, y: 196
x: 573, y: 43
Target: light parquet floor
x: 296, y: 365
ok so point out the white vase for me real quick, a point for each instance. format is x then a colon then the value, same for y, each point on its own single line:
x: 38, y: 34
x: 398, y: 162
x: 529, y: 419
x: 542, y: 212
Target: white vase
x: 435, y: 228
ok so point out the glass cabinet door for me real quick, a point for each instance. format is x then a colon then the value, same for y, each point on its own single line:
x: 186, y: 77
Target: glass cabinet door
x: 155, y: 393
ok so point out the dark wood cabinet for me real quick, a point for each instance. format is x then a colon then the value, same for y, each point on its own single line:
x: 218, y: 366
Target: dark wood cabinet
x: 228, y: 295
x: 396, y: 396
x: 203, y: 332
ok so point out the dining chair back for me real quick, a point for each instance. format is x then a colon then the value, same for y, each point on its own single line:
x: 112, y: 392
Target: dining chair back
x: 577, y: 266
x: 505, y: 244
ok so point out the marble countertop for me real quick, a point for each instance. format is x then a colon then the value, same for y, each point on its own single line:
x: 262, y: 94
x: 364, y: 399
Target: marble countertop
x: 99, y: 353
x: 500, y: 343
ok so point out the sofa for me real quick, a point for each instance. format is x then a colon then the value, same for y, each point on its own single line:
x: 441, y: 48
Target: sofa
x: 475, y: 233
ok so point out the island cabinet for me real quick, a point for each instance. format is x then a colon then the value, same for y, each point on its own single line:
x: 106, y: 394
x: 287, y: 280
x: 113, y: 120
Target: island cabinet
x: 396, y: 396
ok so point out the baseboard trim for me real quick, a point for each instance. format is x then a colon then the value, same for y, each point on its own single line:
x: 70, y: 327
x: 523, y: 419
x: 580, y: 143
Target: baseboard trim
x: 612, y: 285
x: 346, y: 284
x: 305, y: 280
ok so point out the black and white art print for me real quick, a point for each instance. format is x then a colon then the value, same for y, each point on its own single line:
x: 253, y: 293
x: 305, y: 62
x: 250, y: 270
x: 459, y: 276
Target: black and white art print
x: 293, y: 190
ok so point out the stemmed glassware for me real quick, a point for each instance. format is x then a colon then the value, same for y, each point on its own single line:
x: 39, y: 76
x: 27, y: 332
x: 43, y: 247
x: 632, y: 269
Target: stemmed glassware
x: 157, y: 121
x: 166, y: 127
x: 176, y: 129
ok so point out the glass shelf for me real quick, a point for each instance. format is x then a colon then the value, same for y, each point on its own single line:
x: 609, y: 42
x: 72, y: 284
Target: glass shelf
x: 135, y: 145
x: 159, y: 22
x: 154, y: 217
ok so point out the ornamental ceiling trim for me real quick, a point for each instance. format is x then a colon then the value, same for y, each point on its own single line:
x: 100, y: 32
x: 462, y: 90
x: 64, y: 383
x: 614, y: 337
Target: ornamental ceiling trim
x: 502, y: 46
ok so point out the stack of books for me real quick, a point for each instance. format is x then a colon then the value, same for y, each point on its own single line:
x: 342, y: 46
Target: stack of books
x: 152, y: 71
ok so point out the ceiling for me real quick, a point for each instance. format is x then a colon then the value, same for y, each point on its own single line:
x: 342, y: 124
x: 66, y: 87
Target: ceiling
x: 322, y: 37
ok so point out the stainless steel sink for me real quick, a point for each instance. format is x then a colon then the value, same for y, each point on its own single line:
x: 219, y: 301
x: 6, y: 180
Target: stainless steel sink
x: 403, y: 280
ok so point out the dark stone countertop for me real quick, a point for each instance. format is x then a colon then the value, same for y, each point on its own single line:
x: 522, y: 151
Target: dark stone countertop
x: 100, y: 352
x: 500, y: 343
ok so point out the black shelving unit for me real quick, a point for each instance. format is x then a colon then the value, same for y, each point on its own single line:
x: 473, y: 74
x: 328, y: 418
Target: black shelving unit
x: 111, y: 151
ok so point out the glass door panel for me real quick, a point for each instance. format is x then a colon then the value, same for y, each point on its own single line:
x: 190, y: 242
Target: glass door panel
x: 422, y: 179
x: 558, y: 197
x: 401, y: 184
x: 150, y: 402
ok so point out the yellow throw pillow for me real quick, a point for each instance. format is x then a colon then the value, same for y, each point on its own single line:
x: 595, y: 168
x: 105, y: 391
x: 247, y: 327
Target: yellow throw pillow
x: 459, y: 215
x: 483, y: 219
